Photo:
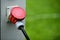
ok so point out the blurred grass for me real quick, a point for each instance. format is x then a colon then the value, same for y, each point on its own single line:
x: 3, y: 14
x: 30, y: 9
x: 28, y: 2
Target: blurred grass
x: 39, y: 28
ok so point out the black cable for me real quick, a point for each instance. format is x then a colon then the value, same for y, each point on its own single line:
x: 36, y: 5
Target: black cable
x: 24, y: 32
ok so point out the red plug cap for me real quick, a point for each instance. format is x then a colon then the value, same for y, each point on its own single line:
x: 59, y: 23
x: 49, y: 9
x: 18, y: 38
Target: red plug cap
x: 17, y: 13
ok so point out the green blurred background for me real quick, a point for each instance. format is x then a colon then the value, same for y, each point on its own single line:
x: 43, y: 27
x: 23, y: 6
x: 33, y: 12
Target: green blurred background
x: 43, y: 19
